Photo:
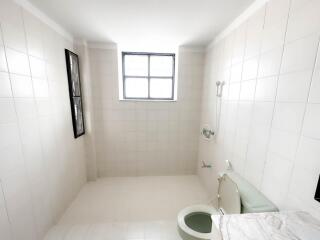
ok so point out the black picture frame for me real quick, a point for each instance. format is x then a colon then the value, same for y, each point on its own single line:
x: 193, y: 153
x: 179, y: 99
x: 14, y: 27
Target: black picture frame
x: 73, y: 72
x: 317, y: 194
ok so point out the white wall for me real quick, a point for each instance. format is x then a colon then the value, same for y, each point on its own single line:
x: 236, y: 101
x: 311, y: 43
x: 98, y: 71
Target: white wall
x: 145, y: 138
x: 42, y: 167
x: 82, y: 50
x: 270, y: 113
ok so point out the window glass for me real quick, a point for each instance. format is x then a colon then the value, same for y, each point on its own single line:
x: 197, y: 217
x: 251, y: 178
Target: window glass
x: 136, y: 87
x: 148, y: 75
x: 161, y: 66
x: 136, y: 65
x: 161, y: 88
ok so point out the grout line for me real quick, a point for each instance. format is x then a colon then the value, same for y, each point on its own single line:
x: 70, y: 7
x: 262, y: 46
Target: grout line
x: 16, y: 116
x: 275, y: 99
x: 230, y: 152
x: 6, y: 208
x: 255, y: 88
x: 238, y: 21
x: 23, y: 152
x: 239, y: 100
x: 294, y: 160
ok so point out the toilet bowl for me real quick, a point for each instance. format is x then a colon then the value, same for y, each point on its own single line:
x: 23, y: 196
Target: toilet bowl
x: 195, y: 222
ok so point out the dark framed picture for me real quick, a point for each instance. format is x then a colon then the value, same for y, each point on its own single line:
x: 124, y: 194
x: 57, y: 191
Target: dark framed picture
x: 73, y: 72
x: 317, y: 195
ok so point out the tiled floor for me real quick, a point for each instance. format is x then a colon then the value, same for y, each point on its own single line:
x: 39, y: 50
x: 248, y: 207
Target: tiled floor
x: 129, y: 208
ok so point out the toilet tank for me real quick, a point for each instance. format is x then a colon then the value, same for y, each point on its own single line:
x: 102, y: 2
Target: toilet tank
x: 251, y: 199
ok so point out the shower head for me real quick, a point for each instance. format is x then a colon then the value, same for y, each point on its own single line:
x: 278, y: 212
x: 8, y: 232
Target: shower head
x: 218, y: 83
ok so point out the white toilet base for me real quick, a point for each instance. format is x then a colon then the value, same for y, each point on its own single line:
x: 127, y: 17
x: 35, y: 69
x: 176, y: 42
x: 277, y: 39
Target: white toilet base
x: 188, y: 233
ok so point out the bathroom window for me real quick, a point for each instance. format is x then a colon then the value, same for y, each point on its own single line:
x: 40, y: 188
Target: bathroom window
x: 148, y: 76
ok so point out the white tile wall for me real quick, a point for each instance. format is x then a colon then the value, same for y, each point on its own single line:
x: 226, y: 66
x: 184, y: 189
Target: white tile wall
x: 266, y: 89
x: 288, y: 117
x: 270, y: 63
x: 311, y: 127
x: 273, y: 36
x: 41, y: 165
x: 250, y: 68
x: 315, y: 87
x: 294, y: 87
x: 303, y: 19
x: 279, y: 152
x: 87, y: 91
x: 254, y: 34
x: 4, y: 220
x: 300, y: 54
x: 145, y: 138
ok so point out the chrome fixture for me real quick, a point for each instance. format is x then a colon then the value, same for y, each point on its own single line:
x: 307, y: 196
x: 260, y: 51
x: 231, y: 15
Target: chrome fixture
x: 204, y: 165
x: 219, y: 88
x: 218, y: 104
x: 207, y: 133
x: 229, y: 166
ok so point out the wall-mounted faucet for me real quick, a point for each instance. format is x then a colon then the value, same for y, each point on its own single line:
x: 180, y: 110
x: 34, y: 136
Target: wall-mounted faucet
x: 204, y: 165
x: 207, y: 133
x: 228, y: 166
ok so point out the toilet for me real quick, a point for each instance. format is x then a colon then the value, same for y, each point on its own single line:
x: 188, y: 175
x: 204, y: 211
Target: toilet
x: 235, y: 196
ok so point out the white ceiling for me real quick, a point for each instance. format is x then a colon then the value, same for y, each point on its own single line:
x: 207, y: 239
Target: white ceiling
x: 144, y: 22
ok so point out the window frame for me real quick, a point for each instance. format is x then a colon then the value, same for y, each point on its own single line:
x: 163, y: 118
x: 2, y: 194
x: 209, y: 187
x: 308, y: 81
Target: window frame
x: 148, y: 77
